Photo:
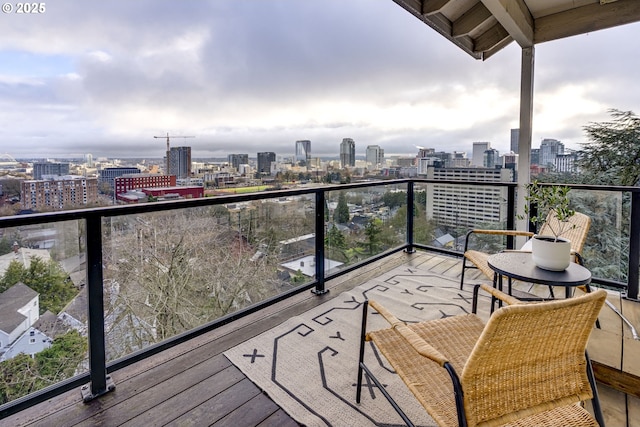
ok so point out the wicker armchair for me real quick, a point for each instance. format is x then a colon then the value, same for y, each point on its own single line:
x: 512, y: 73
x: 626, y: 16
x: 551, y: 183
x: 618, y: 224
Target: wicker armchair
x: 526, y: 367
x: 576, y: 235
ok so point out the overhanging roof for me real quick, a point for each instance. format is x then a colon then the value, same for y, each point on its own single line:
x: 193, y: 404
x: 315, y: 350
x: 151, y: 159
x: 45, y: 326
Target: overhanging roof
x: 483, y: 27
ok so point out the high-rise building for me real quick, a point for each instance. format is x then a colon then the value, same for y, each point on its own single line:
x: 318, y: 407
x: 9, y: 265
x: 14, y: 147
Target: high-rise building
x: 49, y: 168
x: 108, y: 175
x: 303, y: 152
x: 375, y: 156
x: 264, y: 162
x: 535, y: 156
x: 510, y: 161
x: 179, y: 162
x: 477, y: 158
x: 566, y: 162
x: 425, y: 152
x: 459, y: 160
x: 235, y: 160
x: 515, y: 138
x: 427, y: 157
x: 470, y: 206
x: 549, y: 150
x: 347, y: 152
x: 491, y: 158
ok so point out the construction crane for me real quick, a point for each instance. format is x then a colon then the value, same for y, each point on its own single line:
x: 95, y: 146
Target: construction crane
x: 172, y: 136
x: 168, y: 148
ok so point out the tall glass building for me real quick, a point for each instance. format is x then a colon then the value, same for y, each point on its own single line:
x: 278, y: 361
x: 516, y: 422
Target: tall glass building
x: 179, y: 162
x: 303, y: 152
x: 235, y: 160
x: 347, y: 152
x: 264, y: 162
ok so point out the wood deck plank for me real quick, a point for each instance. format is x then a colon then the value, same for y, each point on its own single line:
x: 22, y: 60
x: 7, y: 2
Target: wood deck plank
x: 194, y: 406
x: 279, y: 419
x: 251, y: 413
x: 194, y: 384
x: 175, y: 399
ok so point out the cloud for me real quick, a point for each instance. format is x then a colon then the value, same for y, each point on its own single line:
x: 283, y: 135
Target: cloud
x: 255, y: 76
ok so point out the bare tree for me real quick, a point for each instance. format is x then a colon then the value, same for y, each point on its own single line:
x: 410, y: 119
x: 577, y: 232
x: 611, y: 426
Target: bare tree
x: 173, y: 271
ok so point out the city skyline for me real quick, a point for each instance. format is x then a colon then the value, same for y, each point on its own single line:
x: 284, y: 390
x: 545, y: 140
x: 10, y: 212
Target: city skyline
x: 106, y: 78
x: 363, y: 153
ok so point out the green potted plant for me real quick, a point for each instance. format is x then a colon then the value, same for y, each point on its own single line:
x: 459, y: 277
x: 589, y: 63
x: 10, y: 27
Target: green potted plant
x: 550, y: 251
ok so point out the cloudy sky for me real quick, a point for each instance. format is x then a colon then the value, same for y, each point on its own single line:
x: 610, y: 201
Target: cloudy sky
x: 244, y: 76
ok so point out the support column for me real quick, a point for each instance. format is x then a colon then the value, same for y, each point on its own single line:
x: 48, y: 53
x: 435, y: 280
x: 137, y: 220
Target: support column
x: 525, y: 134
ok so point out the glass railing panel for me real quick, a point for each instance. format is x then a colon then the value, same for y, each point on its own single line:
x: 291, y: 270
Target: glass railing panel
x: 363, y: 222
x: 424, y: 228
x: 43, y: 339
x: 606, y: 250
x: 453, y: 209
x: 170, y: 272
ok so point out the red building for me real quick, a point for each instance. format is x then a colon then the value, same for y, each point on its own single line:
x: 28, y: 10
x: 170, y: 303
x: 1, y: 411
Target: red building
x: 139, y: 181
x: 175, y: 192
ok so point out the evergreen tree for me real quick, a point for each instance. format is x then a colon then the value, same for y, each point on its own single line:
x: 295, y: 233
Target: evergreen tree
x: 334, y: 238
x: 22, y: 374
x: 372, y: 231
x: 612, y: 155
x: 341, y: 215
x: 46, y: 278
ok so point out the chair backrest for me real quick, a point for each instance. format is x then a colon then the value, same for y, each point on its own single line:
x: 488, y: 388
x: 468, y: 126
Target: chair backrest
x: 576, y: 234
x: 530, y: 358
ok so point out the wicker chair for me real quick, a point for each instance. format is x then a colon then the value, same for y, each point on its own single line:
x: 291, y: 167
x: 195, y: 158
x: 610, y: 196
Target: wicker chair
x: 576, y: 235
x: 527, y: 366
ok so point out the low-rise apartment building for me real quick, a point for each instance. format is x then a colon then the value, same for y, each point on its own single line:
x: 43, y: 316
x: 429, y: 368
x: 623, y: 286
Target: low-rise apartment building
x: 59, y: 193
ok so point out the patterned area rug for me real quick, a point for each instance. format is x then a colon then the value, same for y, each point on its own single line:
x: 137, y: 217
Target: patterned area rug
x: 308, y: 364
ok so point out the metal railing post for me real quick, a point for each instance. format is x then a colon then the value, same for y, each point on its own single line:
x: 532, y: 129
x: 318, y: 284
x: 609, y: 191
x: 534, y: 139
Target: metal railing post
x: 100, y: 383
x: 410, y: 208
x: 320, y: 207
x: 511, y: 215
x: 634, y: 248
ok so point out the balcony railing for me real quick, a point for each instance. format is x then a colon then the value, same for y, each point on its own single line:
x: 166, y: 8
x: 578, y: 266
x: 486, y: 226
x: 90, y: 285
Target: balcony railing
x: 128, y: 244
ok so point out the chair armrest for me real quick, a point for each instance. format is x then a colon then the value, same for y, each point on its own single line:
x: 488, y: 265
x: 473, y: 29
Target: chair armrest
x: 495, y: 233
x: 502, y: 232
x: 508, y: 299
x: 421, y: 346
x: 578, y: 257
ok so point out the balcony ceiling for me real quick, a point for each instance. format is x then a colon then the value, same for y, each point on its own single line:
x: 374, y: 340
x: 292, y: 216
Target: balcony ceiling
x: 483, y: 27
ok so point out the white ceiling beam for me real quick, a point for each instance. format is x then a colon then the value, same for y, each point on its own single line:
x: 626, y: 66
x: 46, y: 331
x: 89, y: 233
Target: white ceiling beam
x: 515, y: 17
x: 429, y: 7
x: 586, y: 19
x: 491, y: 38
x: 470, y: 20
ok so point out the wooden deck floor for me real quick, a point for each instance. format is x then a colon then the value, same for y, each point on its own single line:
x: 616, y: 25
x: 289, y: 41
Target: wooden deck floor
x: 193, y: 384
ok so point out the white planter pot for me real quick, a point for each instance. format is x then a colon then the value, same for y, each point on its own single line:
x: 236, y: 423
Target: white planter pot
x: 549, y: 254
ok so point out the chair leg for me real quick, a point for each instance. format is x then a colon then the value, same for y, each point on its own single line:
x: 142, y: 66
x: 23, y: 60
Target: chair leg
x: 464, y: 267
x: 474, y: 305
x: 387, y: 396
x: 363, y: 333
x: 362, y: 368
x: 595, y: 400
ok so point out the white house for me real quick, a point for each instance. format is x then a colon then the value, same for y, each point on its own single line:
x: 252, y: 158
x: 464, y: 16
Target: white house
x: 19, y: 309
x: 32, y: 342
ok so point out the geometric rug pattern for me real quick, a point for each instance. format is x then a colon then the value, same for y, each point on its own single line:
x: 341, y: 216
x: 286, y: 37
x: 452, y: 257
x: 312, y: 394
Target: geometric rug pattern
x: 308, y: 364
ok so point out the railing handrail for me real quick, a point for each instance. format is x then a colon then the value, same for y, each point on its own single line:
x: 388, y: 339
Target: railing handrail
x: 94, y: 216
